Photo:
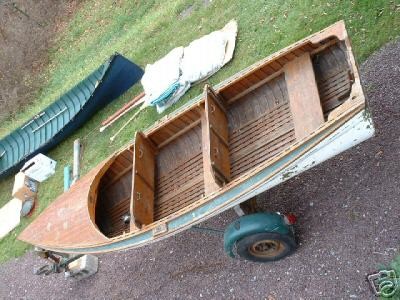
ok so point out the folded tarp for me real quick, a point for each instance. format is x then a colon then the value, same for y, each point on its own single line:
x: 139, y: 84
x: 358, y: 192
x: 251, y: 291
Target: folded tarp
x: 167, y: 80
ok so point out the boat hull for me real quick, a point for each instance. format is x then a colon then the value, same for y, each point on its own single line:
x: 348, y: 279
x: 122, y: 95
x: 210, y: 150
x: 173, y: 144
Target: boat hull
x: 332, y: 140
x: 262, y: 126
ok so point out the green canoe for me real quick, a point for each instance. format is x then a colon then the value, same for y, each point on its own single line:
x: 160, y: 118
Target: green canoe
x: 49, y: 127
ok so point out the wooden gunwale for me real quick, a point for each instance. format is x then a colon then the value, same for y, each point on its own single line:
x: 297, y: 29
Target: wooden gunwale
x: 332, y: 124
x: 321, y: 35
x: 357, y: 106
x: 354, y: 105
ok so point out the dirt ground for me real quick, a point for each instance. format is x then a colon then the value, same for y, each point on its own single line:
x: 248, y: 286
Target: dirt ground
x: 27, y: 30
x: 348, y: 224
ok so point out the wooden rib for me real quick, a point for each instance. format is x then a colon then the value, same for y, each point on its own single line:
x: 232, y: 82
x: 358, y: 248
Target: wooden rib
x: 117, y: 177
x: 261, y: 74
x: 264, y: 122
x: 267, y: 70
x: 324, y: 46
x: 191, y: 195
x: 275, y: 65
x: 180, y: 123
x: 253, y: 87
x: 260, y: 141
x: 177, y: 180
x: 279, y: 146
x: 178, y: 134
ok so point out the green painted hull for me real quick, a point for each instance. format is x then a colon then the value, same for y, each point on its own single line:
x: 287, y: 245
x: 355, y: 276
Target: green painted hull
x: 49, y: 127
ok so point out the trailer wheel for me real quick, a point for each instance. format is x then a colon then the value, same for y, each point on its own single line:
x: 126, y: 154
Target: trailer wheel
x: 261, y: 237
x: 265, y: 246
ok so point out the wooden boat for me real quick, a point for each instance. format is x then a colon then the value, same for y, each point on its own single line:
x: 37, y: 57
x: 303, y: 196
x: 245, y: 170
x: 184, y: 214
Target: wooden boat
x: 266, y: 124
x: 68, y: 113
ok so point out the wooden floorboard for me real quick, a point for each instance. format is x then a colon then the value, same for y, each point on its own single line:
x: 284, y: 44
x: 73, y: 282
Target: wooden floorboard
x: 179, y: 178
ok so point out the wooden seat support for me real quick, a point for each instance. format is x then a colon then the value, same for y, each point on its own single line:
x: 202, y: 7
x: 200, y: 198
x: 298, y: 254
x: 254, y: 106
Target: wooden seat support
x: 143, y: 185
x: 215, y: 142
x: 303, y: 94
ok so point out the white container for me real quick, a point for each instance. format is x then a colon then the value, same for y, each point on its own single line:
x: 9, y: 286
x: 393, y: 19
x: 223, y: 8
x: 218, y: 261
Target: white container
x: 39, y: 168
x: 83, y: 267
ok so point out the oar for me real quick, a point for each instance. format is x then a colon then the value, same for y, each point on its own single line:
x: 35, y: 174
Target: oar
x: 144, y: 105
x: 136, y: 101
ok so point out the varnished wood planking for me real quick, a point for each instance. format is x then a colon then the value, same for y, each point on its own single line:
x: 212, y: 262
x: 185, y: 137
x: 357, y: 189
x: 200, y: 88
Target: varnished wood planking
x: 179, y: 151
x: 165, y: 133
x: 334, y: 76
x: 66, y: 222
x: 314, y: 44
x: 143, y: 186
x: 258, y: 102
x: 179, y: 162
x: 215, y: 141
x: 303, y: 96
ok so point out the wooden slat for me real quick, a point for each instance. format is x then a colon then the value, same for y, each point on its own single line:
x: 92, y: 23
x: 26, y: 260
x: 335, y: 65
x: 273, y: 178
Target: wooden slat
x: 173, y: 192
x: 183, y: 200
x: 178, y: 134
x: 258, y: 139
x: 303, y: 96
x: 269, y: 151
x: 176, y: 180
x: 176, y: 192
x: 238, y: 136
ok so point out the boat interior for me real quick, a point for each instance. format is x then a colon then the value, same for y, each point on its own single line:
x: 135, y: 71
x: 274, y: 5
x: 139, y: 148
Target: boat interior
x: 228, y: 133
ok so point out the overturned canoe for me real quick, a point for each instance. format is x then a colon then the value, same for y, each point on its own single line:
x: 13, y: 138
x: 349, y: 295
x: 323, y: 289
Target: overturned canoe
x: 266, y: 124
x: 68, y: 113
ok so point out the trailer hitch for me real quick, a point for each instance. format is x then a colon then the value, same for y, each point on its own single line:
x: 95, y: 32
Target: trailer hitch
x: 58, y: 261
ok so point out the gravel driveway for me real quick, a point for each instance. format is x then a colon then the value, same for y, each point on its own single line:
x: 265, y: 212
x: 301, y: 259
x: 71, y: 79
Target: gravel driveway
x: 348, y: 224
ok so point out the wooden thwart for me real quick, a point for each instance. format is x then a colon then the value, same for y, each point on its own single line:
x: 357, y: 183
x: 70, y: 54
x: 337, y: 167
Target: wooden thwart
x: 143, y: 185
x: 303, y: 96
x: 215, y: 142
x: 212, y: 152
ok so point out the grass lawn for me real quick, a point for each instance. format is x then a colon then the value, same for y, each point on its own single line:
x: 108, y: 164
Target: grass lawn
x: 144, y: 31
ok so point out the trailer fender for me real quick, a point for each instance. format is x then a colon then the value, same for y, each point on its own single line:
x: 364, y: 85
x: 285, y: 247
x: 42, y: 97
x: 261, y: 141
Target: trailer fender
x: 252, y: 224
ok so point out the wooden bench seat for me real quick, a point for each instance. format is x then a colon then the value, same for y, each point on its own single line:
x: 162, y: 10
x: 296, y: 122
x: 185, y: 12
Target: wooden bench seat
x: 215, y: 141
x: 303, y: 94
x: 143, y: 182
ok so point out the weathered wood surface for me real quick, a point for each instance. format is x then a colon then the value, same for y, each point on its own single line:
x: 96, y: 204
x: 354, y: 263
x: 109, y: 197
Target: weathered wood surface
x: 252, y: 116
x: 303, y: 96
x: 179, y: 173
x: 142, y: 197
x: 215, y: 142
x: 66, y: 222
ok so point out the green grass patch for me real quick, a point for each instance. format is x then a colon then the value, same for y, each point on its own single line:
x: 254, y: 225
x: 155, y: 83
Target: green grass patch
x: 394, y: 265
x: 144, y: 31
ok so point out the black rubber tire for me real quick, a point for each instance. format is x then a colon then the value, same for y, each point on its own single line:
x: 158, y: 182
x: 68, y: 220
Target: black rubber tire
x: 244, y: 246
